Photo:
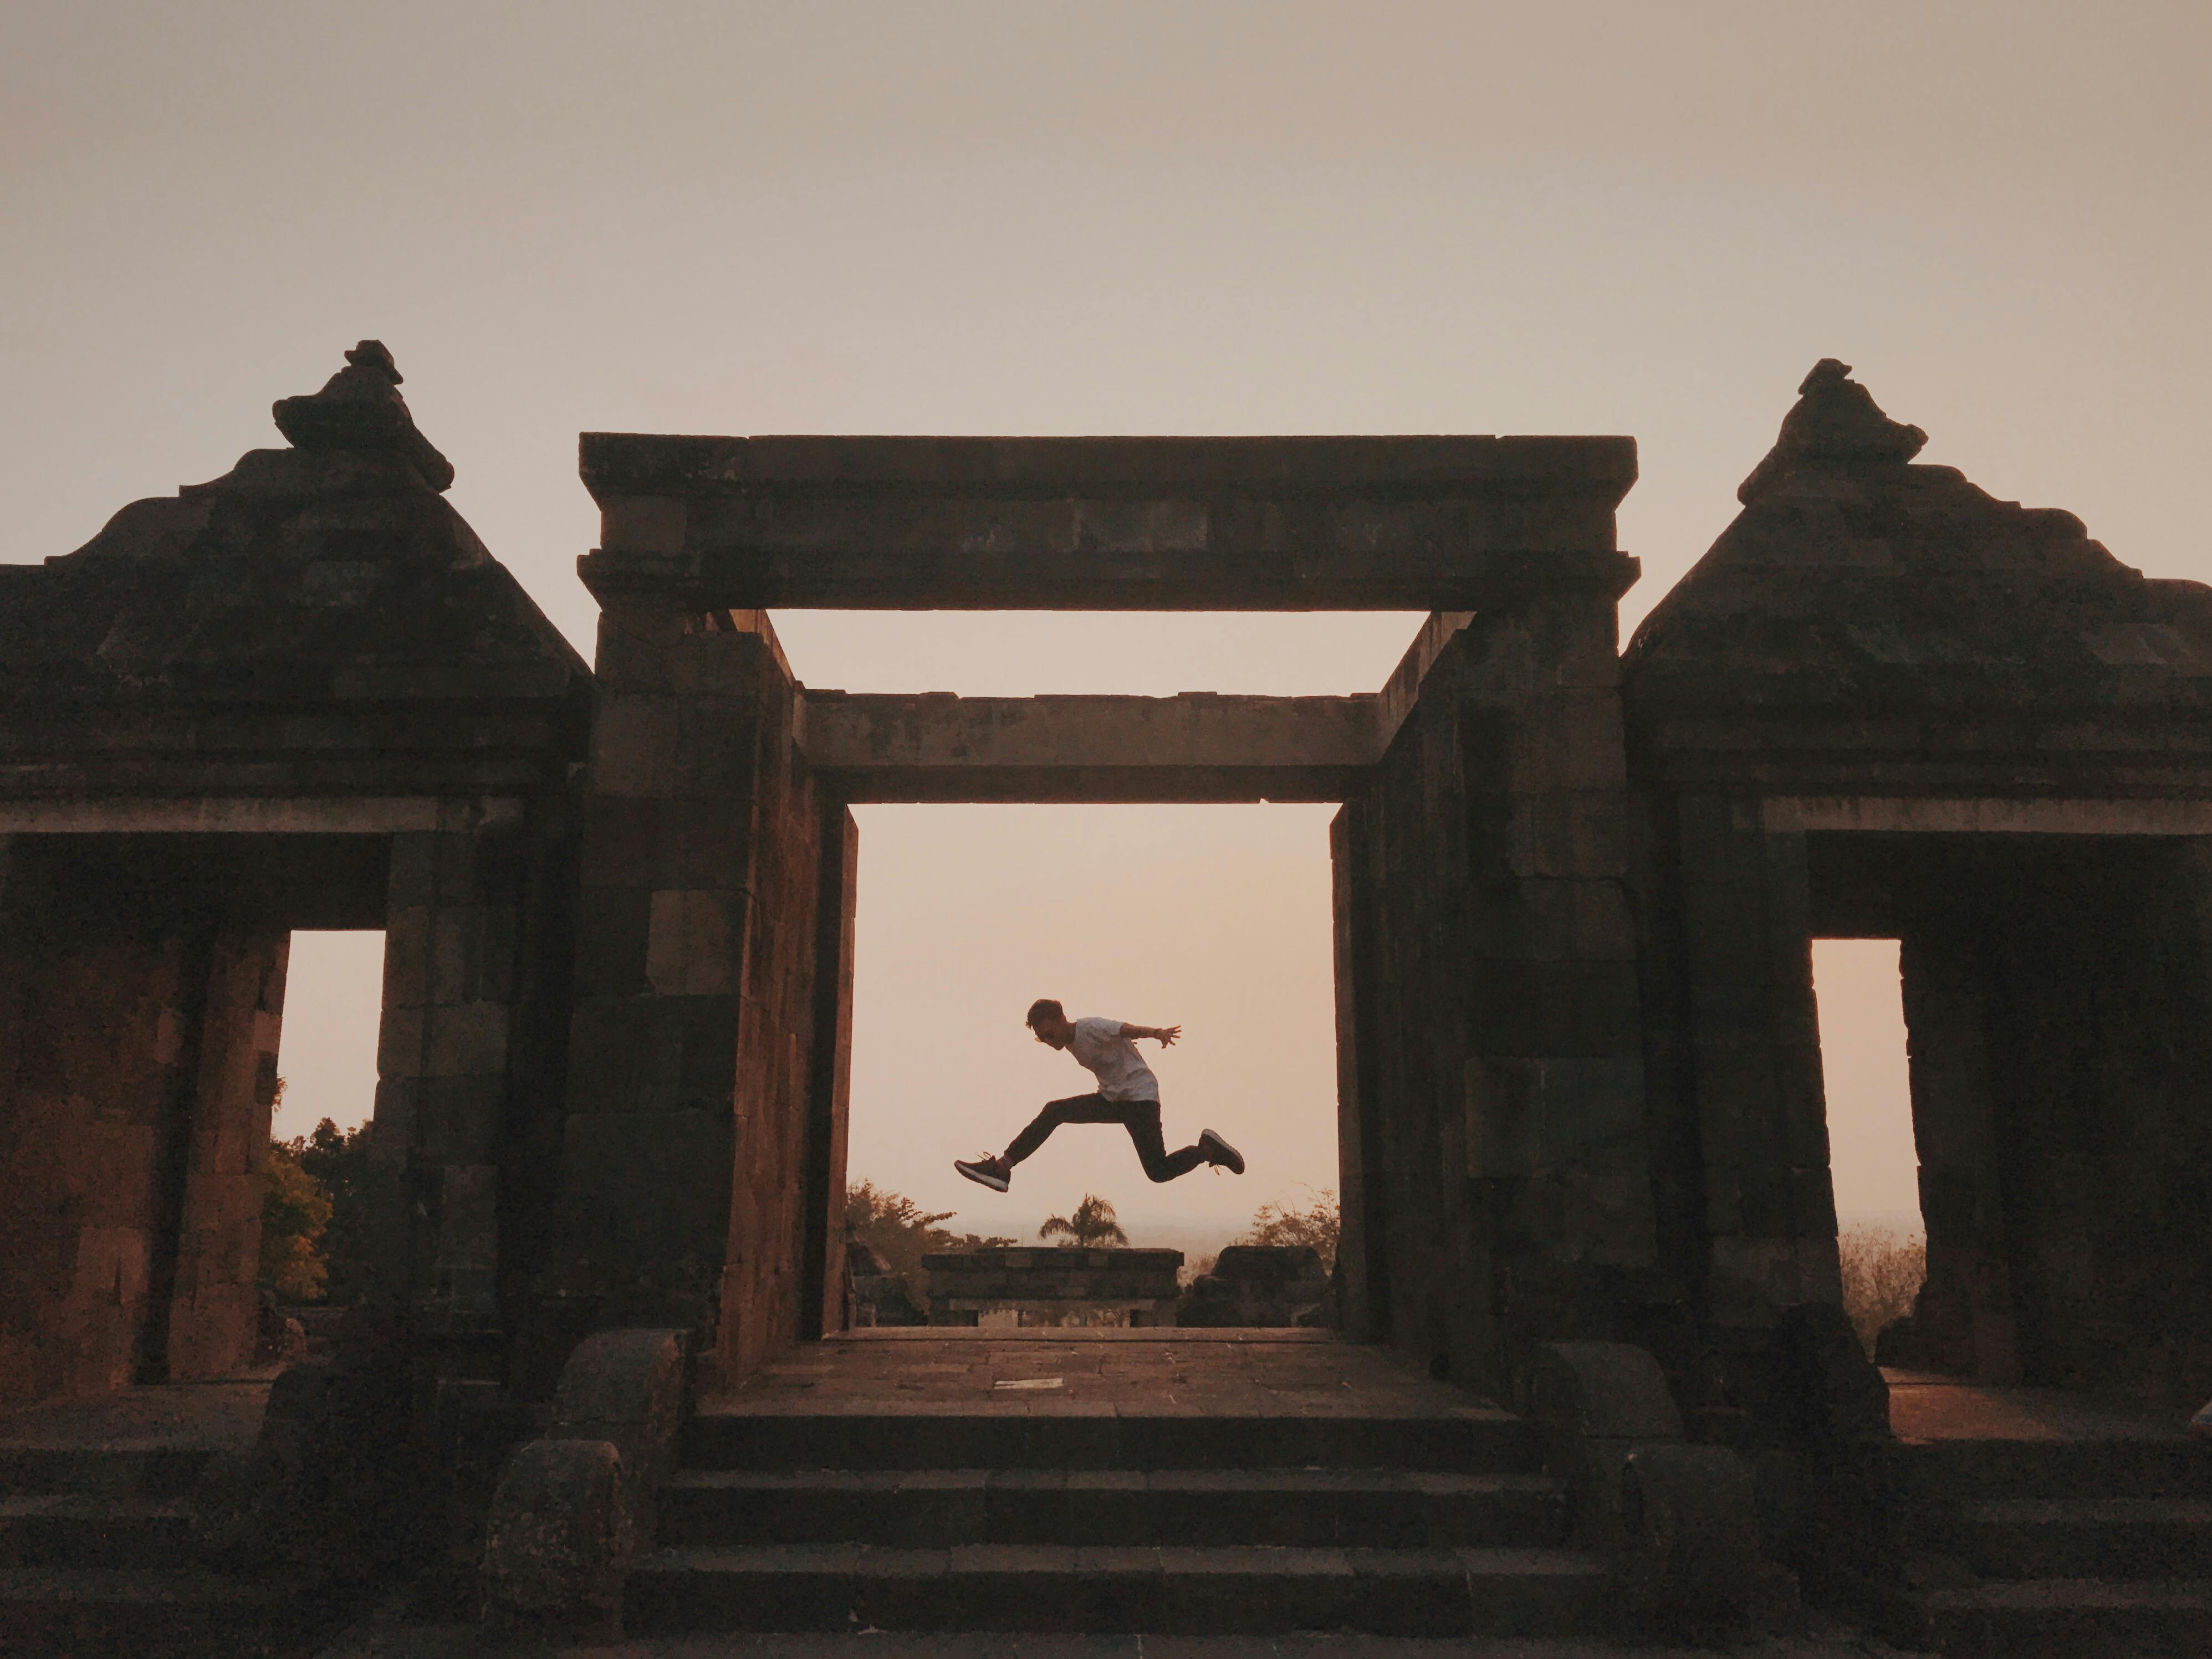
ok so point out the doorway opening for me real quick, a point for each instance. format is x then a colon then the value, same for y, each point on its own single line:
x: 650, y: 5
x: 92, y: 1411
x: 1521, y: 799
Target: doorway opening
x: 1873, y: 1163
x: 318, y: 1224
x: 1216, y: 919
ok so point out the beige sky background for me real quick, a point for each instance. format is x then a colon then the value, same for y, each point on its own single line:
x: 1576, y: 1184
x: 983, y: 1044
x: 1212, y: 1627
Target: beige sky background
x: 1038, y: 218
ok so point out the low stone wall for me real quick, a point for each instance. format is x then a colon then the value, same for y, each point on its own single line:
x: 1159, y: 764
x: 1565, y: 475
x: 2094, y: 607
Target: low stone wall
x: 1264, y: 1285
x: 965, y: 1284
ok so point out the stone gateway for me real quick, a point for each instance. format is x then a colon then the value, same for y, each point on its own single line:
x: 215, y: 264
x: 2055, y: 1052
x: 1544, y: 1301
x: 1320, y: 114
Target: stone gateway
x: 1579, y: 1083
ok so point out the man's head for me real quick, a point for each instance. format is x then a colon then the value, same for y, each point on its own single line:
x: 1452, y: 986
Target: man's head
x: 1050, y: 1022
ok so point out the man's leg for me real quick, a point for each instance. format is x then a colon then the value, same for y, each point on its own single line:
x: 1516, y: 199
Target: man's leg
x: 1142, y: 1120
x: 1082, y: 1108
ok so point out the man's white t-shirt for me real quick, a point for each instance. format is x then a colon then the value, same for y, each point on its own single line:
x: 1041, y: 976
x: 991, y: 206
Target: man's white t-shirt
x: 1100, y: 1047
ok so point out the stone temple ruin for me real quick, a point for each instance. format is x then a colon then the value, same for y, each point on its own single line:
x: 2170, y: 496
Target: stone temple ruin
x: 1583, y: 1135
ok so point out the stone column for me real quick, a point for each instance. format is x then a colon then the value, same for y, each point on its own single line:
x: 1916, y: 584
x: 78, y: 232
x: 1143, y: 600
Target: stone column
x: 1362, y: 1258
x: 214, y: 1308
x: 1964, y: 1312
x: 1756, y: 1053
x: 443, y: 1062
x: 693, y: 728
x: 1554, y: 1098
x: 829, y: 1098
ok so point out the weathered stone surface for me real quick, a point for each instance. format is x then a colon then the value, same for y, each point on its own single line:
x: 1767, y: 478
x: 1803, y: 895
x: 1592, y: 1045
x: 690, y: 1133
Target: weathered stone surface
x: 559, y: 1538
x: 965, y: 1283
x: 1196, y: 747
x: 360, y: 411
x: 1693, y: 1562
x: 574, y: 1506
x: 1103, y: 524
x: 1257, y: 1284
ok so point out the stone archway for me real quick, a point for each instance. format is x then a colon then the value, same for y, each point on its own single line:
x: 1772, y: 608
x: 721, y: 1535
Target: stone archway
x: 1479, y: 857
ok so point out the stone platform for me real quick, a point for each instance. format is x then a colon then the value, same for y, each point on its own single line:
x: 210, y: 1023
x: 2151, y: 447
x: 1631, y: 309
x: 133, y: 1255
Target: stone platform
x: 1137, y: 1372
x: 2038, y: 1521
x: 1157, y: 1482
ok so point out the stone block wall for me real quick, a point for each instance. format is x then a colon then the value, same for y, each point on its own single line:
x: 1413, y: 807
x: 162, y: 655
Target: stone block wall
x: 1751, y: 1049
x: 1491, y: 1062
x: 962, y: 1283
x: 699, y: 1097
x: 464, y: 1056
x: 139, y: 1015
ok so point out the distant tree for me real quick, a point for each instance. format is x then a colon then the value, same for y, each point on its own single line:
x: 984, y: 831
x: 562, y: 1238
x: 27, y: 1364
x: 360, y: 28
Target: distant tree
x: 1883, y: 1271
x: 1318, y: 1225
x: 1091, y: 1227
x: 294, y: 1213
x: 900, y: 1232
x: 364, y: 1195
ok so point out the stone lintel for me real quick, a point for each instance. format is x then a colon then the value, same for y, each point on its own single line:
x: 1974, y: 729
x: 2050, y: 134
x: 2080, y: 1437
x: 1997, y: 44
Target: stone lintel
x: 1101, y: 523
x: 1197, y: 747
x: 293, y: 815
x: 2042, y: 817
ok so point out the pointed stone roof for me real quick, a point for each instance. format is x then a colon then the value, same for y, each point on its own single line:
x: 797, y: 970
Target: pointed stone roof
x: 1860, y: 592
x: 329, y: 576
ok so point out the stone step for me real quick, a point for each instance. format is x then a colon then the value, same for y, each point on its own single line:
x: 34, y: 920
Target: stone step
x: 1967, y: 1469
x: 69, y: 1529
x: 166, y: 1471
x: 2076, y: 1618
x: 1237, y: 1589
x: 84, y: 1610
x: 937, y: 1508
x: 1472, y: 1442
x: 2122, y: 1538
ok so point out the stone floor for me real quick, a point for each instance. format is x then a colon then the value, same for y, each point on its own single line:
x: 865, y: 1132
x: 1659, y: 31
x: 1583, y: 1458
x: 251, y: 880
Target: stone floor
x: 1089, y: 1373
x: 224, y: 1416
x: 1817, y: 1638
x: 1927, y: 1407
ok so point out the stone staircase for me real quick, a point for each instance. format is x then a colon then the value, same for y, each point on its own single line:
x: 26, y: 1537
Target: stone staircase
x: 2090, y: 1547
x: 1431, y: 1522
x: 97, y: 1554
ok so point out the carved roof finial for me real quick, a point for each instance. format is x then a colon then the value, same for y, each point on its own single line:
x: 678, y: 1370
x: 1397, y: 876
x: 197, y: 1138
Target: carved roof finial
x: 1835, y: 424
x: 360, y: 408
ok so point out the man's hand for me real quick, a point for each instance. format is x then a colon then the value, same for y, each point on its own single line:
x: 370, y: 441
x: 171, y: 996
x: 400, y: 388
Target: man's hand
x: 1166, y: 1036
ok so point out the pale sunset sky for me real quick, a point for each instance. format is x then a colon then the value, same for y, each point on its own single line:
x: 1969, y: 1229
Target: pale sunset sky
x: 1051, y: 219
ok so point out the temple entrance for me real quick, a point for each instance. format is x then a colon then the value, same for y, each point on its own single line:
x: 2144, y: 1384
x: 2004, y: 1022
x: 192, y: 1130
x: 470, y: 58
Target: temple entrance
x: 1881, y: 1244
x: 1215, y: 918
x: 144, y: 979
x: 2045, y: 984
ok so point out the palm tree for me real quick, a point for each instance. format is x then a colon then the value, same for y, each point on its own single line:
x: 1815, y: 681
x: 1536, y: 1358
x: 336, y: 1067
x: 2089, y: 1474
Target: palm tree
x: 1090, y: 1228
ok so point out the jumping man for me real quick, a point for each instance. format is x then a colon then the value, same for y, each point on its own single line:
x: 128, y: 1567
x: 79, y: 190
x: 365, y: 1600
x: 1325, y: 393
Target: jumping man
x: 1128, y: 1094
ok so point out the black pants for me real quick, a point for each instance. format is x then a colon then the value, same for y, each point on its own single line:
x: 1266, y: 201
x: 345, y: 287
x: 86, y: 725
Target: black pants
x: 1141, y: 1118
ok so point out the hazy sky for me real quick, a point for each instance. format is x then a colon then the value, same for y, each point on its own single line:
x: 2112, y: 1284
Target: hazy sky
x: 1038, y: 218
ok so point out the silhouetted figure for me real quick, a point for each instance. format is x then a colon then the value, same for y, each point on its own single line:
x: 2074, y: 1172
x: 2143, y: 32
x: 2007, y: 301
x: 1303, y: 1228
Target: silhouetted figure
x: 1128, y: 1094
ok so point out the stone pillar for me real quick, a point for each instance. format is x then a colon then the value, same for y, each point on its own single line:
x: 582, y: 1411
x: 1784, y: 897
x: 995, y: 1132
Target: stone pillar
x: 695, y: 936
x: 1965, y: 1313
x: 443, y: 1062
x: 828, y: 1105
x: 1362, y: 1258
x: 2185, y: 1183
x: 1755, y: 1054
x: 1555, y: 1140
x: 97, y: 1019
x: 214, y: 1307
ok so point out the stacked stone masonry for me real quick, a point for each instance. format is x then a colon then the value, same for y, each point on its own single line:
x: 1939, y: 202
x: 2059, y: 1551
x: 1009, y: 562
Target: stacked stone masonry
x: 1576, y: 887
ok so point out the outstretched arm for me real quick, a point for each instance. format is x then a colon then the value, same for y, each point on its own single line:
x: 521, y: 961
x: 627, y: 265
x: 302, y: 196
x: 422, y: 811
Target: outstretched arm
x: 1164, y: 1035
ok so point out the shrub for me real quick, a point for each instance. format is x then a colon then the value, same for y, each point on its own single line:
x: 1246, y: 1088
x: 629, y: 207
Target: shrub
x: 1318, y: 1225
x: 900, y: 1232
x: 364, y: 1199
x: 295, y: 1212
x: 1882, y: 1274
